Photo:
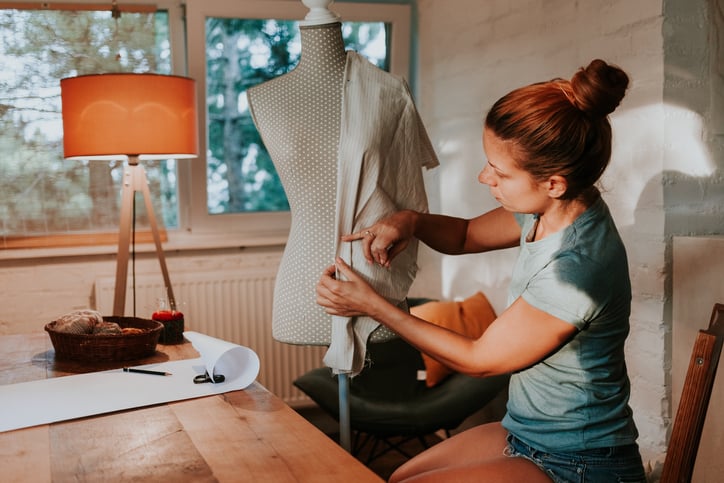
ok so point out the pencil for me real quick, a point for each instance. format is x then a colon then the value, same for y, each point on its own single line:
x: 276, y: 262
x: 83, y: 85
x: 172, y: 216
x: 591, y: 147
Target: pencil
x: 146, y: 371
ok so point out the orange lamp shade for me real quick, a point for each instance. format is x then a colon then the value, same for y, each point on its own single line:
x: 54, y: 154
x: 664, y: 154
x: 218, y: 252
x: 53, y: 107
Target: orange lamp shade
x: 151, y: 116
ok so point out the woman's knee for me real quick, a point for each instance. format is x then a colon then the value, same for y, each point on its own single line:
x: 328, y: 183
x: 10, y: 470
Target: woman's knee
x: 471, y: 447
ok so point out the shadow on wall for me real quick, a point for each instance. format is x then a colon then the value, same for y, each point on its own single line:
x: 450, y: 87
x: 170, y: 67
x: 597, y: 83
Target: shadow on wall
x: 694, y: 205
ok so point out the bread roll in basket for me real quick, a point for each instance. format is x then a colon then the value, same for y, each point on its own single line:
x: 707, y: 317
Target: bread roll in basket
x: 87, y: 336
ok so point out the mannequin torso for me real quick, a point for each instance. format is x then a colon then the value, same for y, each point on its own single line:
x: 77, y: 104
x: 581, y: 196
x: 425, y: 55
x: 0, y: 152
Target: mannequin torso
x: 348, y: 145
x: 298, y: 116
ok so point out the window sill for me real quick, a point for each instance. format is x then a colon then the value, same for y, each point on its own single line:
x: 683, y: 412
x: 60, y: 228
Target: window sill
x: 177, y: 242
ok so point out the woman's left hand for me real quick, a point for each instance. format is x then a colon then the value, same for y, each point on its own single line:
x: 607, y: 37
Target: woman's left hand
x: 347, y: 298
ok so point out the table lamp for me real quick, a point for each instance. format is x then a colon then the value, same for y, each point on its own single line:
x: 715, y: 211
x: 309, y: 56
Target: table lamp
x: 132, y: 117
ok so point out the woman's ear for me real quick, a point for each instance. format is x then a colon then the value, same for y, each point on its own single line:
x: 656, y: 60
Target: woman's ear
x: 557, y: 186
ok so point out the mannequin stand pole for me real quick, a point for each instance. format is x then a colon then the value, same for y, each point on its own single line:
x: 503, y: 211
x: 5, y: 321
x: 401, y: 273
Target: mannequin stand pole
x: 345, y: 433
x: 134, y: 179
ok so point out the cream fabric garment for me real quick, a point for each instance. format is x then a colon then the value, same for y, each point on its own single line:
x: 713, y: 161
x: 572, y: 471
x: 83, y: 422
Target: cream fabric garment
x: 383, y: 147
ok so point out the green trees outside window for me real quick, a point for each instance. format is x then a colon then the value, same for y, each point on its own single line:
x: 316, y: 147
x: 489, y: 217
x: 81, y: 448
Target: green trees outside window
x: 40, y: 193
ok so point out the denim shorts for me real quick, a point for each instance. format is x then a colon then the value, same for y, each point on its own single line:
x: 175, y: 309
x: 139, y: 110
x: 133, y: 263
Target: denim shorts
x: 620, y: 464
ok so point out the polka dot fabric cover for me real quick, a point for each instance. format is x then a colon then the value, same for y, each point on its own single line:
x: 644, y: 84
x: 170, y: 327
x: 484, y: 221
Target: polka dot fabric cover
x: 298, y: 116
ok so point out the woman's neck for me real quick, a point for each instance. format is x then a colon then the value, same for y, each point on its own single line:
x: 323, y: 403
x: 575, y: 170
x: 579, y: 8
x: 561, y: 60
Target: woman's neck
x: 322, y: 47
x: 557, y: 217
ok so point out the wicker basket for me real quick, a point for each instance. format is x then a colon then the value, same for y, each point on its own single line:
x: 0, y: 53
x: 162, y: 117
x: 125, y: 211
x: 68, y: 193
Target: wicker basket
x: 119, y: 347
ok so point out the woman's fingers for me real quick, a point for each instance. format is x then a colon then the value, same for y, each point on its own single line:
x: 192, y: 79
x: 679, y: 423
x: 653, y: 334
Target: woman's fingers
x: 397, y: 248
x: 386, y: 239
x: 330, y: 271
x: 345, y: 270
x: 326, y: 281
x: 341, y: 295
x: 384, y: 250
x: 324, y: 294
x: 367, y: 236
x: 354, y: 236
x: 377, y: 245
x: 329, y: 286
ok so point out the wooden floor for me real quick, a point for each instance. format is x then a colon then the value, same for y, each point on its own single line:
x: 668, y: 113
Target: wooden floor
x: 382, y: 465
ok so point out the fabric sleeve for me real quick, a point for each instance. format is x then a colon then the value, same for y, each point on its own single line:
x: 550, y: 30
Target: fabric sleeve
x: 422, y: 149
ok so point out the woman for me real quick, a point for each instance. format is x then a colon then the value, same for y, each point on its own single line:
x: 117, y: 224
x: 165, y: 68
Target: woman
x: 562, y: 335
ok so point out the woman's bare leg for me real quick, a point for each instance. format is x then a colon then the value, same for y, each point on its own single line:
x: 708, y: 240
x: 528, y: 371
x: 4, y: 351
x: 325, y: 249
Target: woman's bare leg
x: 473, y: 455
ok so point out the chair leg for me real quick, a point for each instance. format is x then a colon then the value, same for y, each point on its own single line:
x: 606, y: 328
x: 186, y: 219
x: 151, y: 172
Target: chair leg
x: 373, y: 455
x: 423, y: 441
x: 395, y: 446
x: 360, y: 440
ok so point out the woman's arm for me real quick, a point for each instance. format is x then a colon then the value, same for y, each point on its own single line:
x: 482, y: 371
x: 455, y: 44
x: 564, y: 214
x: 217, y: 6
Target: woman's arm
x: 518, y: 338
x: 446, y: 234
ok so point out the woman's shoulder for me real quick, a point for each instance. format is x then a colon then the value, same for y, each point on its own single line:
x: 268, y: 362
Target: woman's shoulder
x: 595, y: 235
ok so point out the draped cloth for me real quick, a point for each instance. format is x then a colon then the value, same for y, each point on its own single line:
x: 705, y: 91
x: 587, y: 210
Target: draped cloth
x: 383, y: 147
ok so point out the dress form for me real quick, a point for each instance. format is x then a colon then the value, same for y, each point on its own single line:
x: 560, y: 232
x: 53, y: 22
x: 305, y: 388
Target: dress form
x: 332, y: 118
x: 304, y: 120
x: 298, y: 116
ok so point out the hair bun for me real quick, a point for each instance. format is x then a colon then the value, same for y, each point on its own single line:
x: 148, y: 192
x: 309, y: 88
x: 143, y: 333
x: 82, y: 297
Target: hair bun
x: 599, y: 88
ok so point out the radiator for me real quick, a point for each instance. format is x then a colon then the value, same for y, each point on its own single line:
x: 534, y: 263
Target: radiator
x: 234, y: 306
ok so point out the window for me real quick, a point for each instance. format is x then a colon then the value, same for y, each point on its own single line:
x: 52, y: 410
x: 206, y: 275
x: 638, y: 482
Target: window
x: 385, y: 23
x: 241, y: 53
x: 42, y: 195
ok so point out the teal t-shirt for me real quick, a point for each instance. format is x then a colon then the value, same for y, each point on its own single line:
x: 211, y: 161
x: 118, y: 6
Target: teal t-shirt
x: 576, y: 398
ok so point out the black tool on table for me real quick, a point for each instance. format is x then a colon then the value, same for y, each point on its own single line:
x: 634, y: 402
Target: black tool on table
x: 200, y: 379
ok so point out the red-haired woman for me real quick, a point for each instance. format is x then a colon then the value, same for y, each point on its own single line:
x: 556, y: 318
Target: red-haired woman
x: 562, y: 335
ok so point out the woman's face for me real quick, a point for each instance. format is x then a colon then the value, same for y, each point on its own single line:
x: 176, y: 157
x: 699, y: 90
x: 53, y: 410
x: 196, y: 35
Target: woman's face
x: 514, y: 188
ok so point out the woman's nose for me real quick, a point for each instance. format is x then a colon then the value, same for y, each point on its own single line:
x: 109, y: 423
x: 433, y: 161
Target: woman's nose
x: 484, y: 176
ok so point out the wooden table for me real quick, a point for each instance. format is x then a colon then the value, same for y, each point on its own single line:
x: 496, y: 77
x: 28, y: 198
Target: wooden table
x: 248, y: 436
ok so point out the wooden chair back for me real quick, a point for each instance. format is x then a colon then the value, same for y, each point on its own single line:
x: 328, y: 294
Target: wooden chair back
x: 695, y: 395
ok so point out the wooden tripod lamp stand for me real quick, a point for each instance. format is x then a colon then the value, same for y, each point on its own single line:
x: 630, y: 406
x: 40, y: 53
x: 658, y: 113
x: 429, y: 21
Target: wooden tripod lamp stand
x: 133, y: 117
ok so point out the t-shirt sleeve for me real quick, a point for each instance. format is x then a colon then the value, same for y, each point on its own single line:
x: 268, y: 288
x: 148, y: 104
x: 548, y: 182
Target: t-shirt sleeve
x: 568, y: 288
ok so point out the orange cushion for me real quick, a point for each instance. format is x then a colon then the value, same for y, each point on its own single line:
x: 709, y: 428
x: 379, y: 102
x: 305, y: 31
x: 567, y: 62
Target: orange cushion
x: 469, y: 317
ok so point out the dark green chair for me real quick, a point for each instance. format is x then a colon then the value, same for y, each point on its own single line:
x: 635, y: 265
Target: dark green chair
x: 387, y: 400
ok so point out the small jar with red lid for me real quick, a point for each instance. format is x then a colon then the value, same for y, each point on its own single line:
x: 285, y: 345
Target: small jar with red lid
x: 173, y: 326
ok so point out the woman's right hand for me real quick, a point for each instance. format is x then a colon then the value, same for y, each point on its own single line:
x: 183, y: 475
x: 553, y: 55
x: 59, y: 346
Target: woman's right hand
x: 387, y: 238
